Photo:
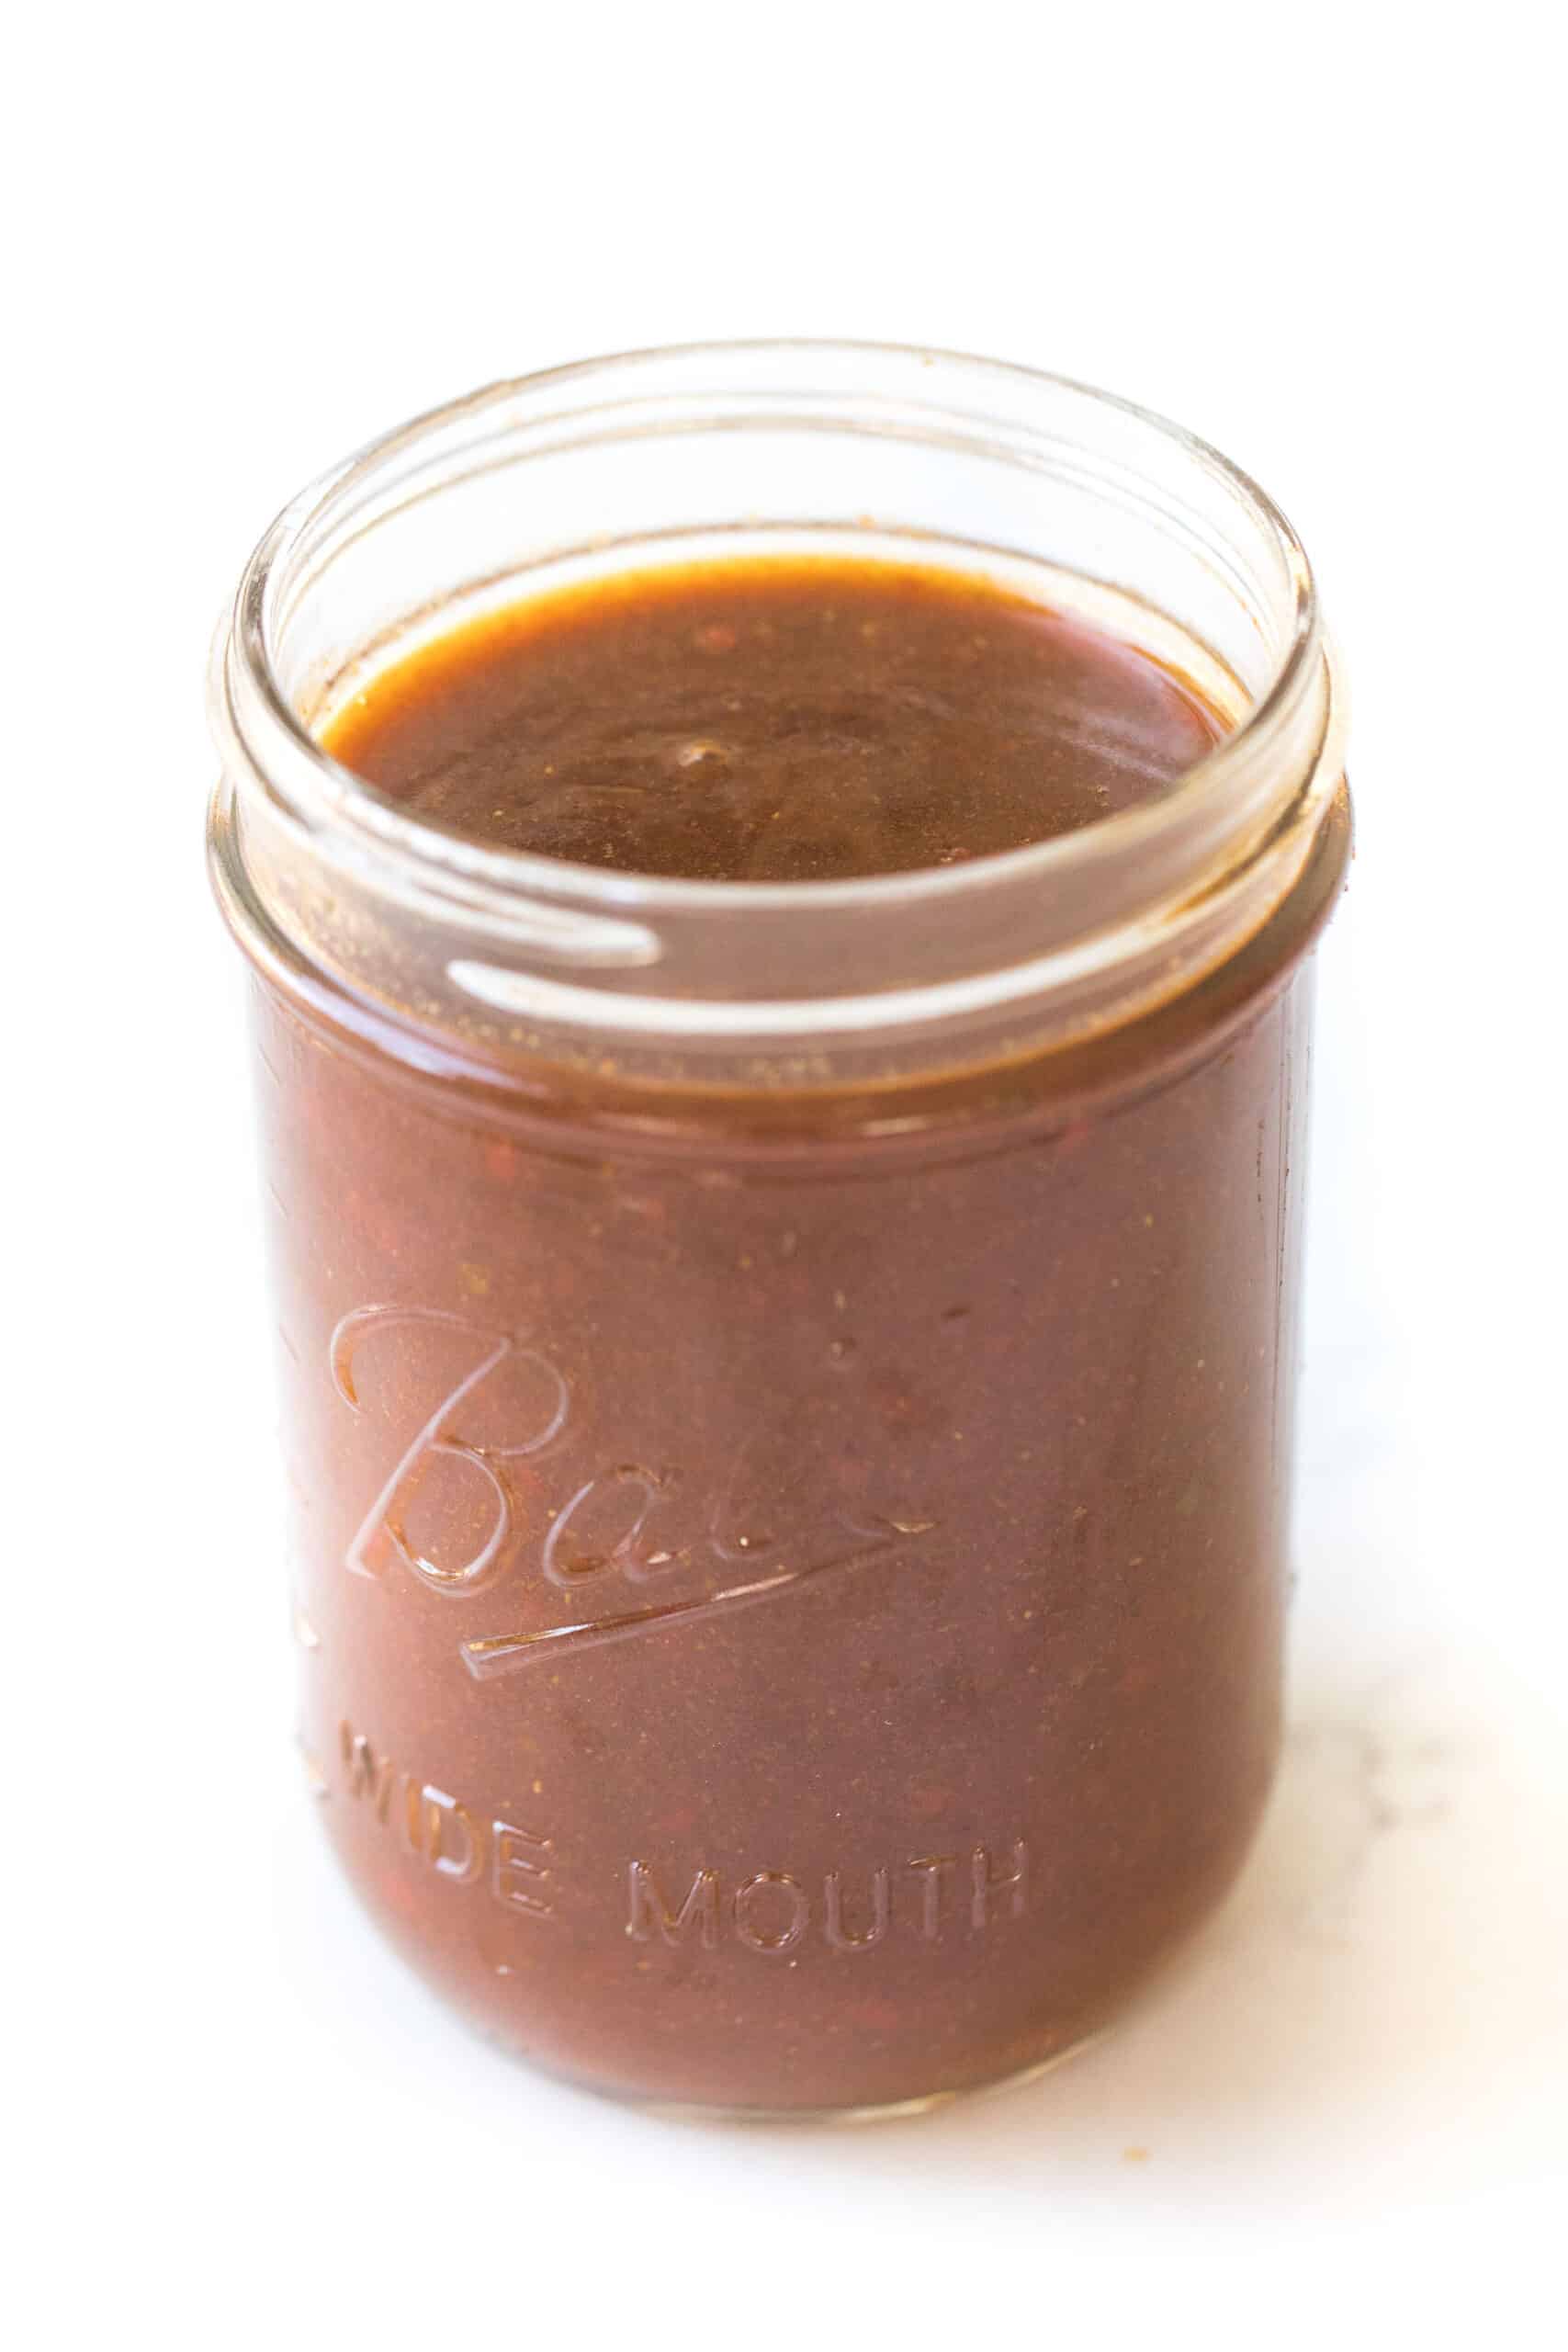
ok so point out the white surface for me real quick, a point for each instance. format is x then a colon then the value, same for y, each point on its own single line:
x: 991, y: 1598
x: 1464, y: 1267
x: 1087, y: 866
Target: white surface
x: 241, y: 241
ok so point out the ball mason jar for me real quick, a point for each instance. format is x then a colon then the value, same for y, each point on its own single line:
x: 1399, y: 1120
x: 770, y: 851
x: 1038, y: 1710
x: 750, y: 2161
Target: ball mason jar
x: 787, y: 1388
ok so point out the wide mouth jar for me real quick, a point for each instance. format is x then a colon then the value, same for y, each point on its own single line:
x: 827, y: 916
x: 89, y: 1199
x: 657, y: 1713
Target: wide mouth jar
x: 1085, y: 501
x: 787, y: 1388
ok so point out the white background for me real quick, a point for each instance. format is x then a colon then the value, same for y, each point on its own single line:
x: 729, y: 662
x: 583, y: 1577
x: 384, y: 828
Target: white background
x: 239, y: 241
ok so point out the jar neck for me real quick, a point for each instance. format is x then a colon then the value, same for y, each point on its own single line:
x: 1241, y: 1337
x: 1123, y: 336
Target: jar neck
x: 1052, y: 491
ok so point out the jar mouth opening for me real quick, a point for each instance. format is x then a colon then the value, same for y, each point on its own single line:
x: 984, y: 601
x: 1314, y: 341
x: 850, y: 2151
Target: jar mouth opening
x: 1074, y: 496
x: 324, y: 794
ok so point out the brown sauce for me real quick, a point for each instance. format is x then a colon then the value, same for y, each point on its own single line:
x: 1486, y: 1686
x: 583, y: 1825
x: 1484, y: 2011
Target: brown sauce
x: 790, y: 1623
x: 774, y: 720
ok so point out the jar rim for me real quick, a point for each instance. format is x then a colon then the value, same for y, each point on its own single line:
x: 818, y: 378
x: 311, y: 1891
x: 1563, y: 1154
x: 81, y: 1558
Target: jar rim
x: 1220, y: 822
x: 354, y: 799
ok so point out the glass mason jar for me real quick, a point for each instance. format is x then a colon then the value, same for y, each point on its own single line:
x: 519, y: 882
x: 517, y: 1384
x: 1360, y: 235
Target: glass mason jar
x: 788, y: 1388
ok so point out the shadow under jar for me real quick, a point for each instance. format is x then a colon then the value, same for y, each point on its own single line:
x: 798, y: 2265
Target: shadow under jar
x: 788, y: 1384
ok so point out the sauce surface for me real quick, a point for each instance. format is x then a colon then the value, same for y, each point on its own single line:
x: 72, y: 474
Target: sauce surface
x: 776, y: 719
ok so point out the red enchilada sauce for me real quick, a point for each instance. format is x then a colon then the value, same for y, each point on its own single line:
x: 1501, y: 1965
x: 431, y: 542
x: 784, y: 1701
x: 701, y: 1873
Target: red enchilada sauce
x: 792, y: 1611
x: 774, y: 721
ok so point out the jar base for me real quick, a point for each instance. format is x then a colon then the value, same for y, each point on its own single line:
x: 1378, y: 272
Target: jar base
x: 891, y: 2110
